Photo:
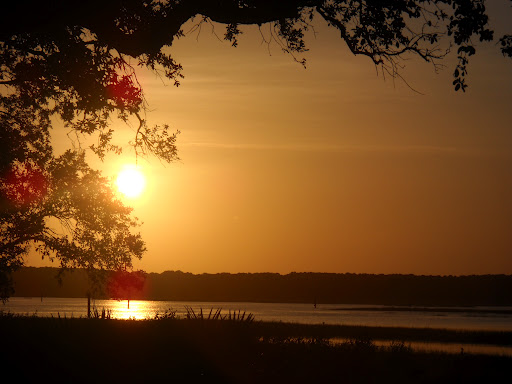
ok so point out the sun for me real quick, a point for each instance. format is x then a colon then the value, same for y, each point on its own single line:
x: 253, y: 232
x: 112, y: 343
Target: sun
x: 131, y: 181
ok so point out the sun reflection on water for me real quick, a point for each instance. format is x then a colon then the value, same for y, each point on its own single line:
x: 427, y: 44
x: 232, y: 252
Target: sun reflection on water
x: 134, y: 309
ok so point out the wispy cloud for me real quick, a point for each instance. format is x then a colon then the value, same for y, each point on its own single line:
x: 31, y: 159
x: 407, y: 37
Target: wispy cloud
x: 323, y: 147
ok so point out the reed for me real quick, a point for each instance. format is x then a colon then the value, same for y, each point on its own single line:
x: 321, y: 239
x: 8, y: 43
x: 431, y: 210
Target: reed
x: 105, y: 314
x: 235, y: 316
x: 210, y: 346
x: 169, y: 314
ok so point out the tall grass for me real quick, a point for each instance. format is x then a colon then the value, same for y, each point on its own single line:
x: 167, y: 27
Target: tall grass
x: 235, y: 316
x: 105, y: 314
x: 208, y: 346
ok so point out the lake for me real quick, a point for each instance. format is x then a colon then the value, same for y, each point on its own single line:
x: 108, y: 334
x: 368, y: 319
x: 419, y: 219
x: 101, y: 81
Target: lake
x: 474, y: 318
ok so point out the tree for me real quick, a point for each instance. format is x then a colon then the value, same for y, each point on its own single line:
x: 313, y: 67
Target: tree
x: 77, y: 63
x: 123, y: 284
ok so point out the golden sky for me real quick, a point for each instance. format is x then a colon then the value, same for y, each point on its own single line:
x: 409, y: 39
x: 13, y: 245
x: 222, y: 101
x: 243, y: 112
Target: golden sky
x: 326, y: 169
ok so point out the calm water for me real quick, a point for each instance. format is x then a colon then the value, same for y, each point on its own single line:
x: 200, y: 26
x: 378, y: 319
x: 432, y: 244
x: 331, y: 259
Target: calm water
x: 298, y: 313
x: 295, y: 313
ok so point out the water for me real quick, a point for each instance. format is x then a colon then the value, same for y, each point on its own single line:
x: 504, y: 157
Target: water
x: 293, y: 313
x: 454, y: 348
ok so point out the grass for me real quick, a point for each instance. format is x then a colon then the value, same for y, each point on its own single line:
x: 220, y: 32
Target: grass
x: 225, y: 349
x: 235, y: 316
x: 501, y: 338
x: 425, y: 309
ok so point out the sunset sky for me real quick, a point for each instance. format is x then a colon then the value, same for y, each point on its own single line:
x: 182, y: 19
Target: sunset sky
x: 326, y: 169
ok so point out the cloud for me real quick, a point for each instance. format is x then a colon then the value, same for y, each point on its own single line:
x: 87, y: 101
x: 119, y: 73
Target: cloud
x: 322, y: 147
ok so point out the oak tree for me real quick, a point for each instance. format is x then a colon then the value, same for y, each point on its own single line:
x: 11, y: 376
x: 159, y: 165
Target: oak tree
x: 74, y: 64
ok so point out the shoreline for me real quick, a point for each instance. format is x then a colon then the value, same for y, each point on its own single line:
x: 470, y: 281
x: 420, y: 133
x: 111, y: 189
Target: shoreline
x: 425, y: 309
x: 324, y: 331
x: 232, y: 351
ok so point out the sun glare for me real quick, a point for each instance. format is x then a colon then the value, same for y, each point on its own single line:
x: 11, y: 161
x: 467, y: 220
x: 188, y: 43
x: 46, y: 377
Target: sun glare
x: 131, y: 182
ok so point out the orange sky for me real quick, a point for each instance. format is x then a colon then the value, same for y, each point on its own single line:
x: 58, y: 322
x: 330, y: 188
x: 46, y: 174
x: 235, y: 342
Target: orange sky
x: 328, y: 169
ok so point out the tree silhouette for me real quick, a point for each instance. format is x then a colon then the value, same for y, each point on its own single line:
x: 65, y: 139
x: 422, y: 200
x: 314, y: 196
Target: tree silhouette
x: 125, y: 285
x: 75, y: 63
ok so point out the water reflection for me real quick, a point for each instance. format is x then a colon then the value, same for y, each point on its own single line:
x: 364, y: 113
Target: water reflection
x: 291, y: 313
x: 430, y: 346
x: 126, y: 310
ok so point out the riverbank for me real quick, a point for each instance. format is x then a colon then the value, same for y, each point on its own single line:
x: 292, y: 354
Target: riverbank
x: 237, y: 351
x: 320, y: 288
x: 270, y: 312
x: 480, y: 311
x: 325, y: 331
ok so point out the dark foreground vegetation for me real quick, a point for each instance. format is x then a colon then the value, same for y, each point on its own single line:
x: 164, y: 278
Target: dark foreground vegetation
x: 236, y: 350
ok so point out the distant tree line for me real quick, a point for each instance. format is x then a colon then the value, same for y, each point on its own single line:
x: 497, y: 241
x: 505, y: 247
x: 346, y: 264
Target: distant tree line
x: 322, y: 288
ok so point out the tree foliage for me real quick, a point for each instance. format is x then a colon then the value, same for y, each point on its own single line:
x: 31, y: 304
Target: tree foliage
x: 124, y: 285
x: 75, y: 62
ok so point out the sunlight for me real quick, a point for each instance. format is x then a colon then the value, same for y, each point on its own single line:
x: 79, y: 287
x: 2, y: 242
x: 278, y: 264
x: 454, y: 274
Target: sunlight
x: 133, y: 309
x: 131, y: 181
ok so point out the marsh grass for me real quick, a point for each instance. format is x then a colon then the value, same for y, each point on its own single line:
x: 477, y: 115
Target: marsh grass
x: 399, y: 346
x: 169, y: 314
x: 101, y: 314
x: 204, y: 348
x: 235, y: 316
x: 405, y: 334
